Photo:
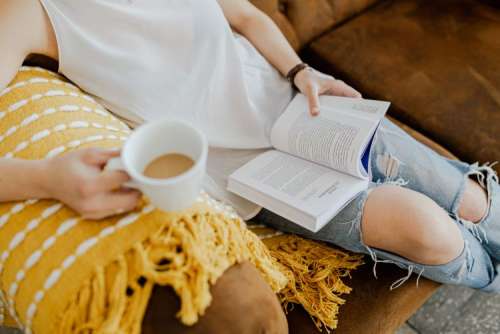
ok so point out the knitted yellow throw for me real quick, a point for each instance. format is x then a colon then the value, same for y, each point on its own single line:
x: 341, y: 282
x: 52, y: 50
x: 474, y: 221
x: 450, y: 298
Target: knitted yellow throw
x: 63, y: 274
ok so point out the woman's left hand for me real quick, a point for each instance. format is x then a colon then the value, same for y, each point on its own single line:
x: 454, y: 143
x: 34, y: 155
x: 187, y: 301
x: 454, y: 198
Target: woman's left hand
x: 313, y: 83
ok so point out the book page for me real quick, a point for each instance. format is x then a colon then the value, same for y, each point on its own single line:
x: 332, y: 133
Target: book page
x: 336, y: 138
x: 371, y: 110
x: 300, y: 184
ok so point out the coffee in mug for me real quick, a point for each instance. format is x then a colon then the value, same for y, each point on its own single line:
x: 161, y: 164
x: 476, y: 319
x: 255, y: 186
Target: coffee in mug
x: 168, y: 165
x: 166, y: 160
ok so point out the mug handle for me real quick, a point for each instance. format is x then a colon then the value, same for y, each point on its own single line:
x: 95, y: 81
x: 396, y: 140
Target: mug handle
x: 117, y: 164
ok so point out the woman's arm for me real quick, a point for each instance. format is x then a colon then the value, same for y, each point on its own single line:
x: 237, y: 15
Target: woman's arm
x: 19, y: 179
x: 15, y: 42
x: 263, y: 33
x: 76, y: 178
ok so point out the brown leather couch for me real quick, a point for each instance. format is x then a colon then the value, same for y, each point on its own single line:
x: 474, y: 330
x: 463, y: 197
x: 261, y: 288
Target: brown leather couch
x: 438, y: 62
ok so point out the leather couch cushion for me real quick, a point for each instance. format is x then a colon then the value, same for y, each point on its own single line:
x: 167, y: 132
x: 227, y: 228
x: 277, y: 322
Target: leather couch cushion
x: 438, y: 62
x: 304, y: 20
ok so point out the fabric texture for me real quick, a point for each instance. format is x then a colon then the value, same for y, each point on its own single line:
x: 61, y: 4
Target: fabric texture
x: 63, y: 274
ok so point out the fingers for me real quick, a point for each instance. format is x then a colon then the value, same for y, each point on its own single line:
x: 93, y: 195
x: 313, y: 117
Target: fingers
x: 313, y: 99
x: 110, y: 204
x: 99, y: 156
x: 340, y: 88
x: 110, y: 180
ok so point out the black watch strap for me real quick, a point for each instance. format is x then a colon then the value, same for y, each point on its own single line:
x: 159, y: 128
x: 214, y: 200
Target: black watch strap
x: 294, y: 71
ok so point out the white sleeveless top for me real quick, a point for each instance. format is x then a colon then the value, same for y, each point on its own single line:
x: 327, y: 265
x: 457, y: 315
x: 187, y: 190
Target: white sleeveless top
x: 150, y: 59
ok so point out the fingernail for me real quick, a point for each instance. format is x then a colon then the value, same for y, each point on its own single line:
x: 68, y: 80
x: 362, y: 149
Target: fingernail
x: 316, y: 111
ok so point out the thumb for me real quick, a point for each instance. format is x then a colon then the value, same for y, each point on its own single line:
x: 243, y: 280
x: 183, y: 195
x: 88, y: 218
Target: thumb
x: 313, y: 99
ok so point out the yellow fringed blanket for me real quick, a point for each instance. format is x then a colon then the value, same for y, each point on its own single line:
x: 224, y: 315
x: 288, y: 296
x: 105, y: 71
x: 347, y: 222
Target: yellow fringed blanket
x: 62, y: 274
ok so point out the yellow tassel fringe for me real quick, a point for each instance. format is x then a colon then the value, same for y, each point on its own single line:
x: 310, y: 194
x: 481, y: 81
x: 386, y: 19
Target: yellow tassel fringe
x: 188, y: 254
x: 191, y: 253
x: 314, y: 272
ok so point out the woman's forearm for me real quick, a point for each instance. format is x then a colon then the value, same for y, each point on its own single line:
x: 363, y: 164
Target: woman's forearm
x: 75, y: 178
x: 262, y: 32
x: 22, y: 179
x: 265, y: 35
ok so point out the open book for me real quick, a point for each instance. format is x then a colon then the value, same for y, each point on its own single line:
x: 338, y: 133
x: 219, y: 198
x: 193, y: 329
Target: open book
x: 319, y: 164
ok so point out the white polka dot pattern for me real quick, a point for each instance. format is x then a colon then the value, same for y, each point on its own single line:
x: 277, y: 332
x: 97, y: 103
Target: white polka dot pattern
x: 65, y: 108
x: 33, y: 259
x: 51, y: 93
x: 18, y: 239
x: 35, y: 81
x: 55, y: 275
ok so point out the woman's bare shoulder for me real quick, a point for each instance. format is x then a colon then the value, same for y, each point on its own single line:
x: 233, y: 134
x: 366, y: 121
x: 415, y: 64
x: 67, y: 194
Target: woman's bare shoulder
x: 24, y: 30
x: 24, y: 25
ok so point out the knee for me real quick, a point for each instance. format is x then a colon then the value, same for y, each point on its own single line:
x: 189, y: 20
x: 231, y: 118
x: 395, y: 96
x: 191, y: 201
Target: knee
x: 474, y: 204
x: 411, y: 225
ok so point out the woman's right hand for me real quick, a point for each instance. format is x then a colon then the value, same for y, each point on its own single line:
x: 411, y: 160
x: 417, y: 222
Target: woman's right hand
x: 79, y: 180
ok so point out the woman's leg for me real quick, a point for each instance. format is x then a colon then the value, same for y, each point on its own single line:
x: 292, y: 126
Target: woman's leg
x: 410, y: 224
x: 400, y: 226
x: 474, y: 204
x: 469, y: 193
x: 398, y: 158
x: 242, y: 303
x: 419, y: 226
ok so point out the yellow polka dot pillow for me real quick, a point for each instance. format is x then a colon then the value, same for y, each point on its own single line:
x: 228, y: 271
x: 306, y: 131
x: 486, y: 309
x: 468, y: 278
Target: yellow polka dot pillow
x: 63, y: 274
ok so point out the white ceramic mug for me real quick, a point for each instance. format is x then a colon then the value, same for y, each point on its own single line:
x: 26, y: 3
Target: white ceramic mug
x: 153, y: 140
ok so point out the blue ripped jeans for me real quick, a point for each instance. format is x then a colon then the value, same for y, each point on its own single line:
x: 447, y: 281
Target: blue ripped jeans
x: 398, y: 159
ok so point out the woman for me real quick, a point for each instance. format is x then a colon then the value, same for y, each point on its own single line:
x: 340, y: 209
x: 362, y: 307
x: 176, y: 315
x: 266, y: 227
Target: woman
x: 147, y: 59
